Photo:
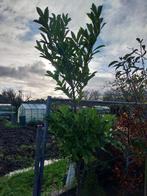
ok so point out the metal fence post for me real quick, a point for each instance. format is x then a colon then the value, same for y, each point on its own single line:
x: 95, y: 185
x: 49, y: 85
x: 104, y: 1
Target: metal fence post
x: 40, y: 152
x: 44, y: 137
x: 37, y: 182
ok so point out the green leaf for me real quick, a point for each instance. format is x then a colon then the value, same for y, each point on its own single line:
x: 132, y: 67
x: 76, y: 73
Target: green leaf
x: 92, y: 17
x: 73, y: 36
x: 50, y: 74
x: 37, y: 21
x: 118, y: 73
x: 43, y: 37
x: 46, y: 13
x: 112, y: 63
x: 39, y: 47
x: 98, y: 47
x: 90, y: 28
x: 138, y: 39
x: 39, y: 12
x: 94, y: 8
x: 103, y: 25
x: 100, y: 10
x: 80, y: 33
x: 44, y: 30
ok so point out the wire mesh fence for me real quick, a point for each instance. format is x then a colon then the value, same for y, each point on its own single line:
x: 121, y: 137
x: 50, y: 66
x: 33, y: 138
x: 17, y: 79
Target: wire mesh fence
x: 111, y: 107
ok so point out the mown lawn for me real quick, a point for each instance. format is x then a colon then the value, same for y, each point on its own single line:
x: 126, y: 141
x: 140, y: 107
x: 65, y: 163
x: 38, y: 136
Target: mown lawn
x: 22, y: 184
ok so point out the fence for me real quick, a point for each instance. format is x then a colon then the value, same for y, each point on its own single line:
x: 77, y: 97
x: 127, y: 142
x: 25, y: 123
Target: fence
x: 42, y: 134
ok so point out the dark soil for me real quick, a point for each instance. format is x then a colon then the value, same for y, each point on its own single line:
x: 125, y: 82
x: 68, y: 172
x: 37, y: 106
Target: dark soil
x: 71, y: 192
x: 110, y: 192
x: 17, y: 148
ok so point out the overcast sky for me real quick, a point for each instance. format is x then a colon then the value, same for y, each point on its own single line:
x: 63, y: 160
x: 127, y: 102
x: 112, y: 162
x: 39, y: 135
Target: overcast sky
x: 20, y: 64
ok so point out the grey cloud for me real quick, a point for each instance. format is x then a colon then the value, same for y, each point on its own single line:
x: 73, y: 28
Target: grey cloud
x: 22, y: 72
x: 100, y: 82
x: 126, y: 20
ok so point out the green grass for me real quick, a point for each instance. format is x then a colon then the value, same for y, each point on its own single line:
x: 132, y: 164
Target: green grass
x: 9, y: 125
x: 22, y: 184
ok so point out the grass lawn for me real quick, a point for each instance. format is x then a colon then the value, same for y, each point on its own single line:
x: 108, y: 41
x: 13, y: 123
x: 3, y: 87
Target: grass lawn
x: 22, y: 184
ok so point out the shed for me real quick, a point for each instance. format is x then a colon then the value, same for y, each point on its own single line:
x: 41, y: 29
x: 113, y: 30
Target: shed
x: 31, y: 112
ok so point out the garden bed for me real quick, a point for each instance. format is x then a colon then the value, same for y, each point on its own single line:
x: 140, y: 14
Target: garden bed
x: 17, y: 148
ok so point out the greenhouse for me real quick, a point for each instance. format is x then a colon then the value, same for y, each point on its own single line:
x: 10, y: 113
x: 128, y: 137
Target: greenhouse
x: 31, y: 112
x: 102, y: 109
x: 7, y: 111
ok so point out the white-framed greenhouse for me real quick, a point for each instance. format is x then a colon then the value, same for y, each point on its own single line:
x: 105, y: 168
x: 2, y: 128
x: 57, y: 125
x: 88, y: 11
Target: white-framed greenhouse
x: 31, y: 112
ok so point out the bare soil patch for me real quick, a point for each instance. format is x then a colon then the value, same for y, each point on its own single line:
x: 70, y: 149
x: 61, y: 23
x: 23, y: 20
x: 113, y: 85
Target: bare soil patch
x: 17, y: 148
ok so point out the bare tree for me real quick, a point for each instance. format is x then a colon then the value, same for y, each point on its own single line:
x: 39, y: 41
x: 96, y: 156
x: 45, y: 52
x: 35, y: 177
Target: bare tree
x: 14, y: 97
x: 91, y: 95
x: 113, y: 95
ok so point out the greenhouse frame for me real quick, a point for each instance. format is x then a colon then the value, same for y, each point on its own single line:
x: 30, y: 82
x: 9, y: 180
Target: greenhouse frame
x: 31, y: 112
